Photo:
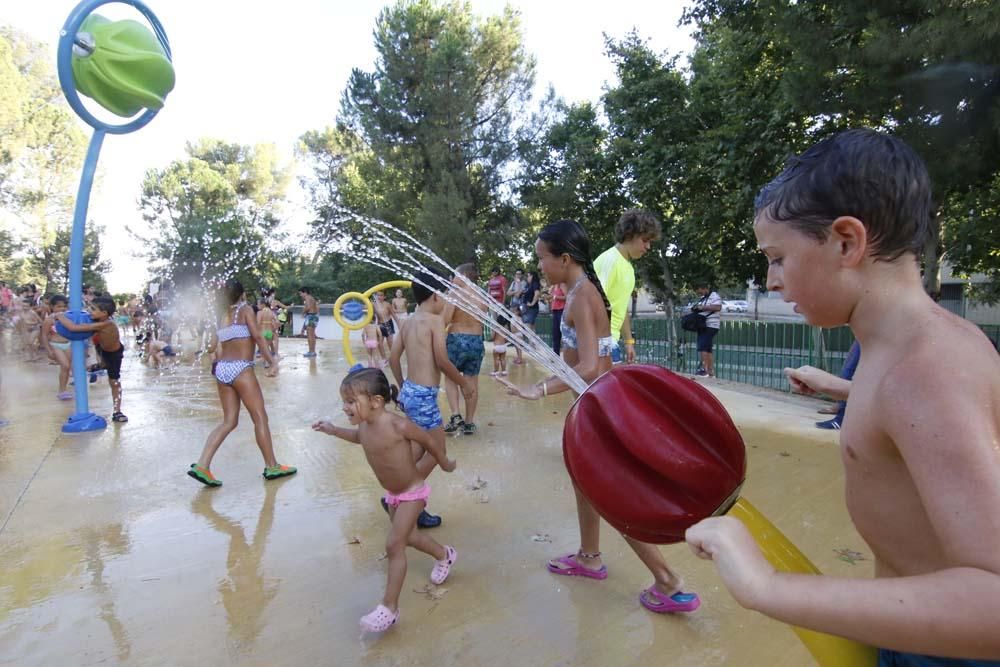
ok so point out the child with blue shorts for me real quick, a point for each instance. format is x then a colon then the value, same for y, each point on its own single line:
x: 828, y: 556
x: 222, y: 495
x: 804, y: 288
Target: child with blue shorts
x: 423, y: 339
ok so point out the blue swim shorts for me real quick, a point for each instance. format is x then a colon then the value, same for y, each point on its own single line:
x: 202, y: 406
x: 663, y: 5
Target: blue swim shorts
x: 887, y: 658
x: 312, y: 320
x: 466, y: 352
x: 420, y: 405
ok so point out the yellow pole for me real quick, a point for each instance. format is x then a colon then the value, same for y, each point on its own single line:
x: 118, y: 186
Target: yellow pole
x: 827, y: 650
x: 364, y: 298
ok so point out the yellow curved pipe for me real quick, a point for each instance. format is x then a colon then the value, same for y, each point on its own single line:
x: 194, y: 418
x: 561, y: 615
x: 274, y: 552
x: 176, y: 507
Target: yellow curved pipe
x: 365, y: 298
x: 827, y: 650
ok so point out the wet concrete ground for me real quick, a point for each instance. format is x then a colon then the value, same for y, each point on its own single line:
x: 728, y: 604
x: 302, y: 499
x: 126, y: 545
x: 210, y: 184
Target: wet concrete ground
x: 110, y: 554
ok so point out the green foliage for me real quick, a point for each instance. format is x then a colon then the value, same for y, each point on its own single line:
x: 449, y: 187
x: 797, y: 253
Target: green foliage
x: 53, y: 261
x: 427, y: 138
x: 215, y: 214
x: 926, y: 71
x: 767, y: 79
x: 41, y: 151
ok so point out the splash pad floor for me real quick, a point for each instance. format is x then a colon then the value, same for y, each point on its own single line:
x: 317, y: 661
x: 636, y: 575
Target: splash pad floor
x: 110, y: 554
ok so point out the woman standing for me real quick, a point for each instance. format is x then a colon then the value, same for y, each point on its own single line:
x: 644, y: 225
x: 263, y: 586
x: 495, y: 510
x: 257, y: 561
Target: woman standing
x: 532, y: 293
x: 709, y: 307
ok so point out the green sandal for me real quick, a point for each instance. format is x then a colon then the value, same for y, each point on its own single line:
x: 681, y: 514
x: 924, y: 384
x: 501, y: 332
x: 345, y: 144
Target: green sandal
x: 276, y: 471
x: 203, y: 475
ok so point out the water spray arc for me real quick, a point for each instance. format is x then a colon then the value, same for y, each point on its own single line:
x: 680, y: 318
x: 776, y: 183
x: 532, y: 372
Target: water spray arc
x: 414, y: 258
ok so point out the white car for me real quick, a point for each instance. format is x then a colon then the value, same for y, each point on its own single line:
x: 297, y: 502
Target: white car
x: 735, y: 306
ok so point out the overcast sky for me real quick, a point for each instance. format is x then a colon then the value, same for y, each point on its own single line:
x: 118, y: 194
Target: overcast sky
x: 250, y: 72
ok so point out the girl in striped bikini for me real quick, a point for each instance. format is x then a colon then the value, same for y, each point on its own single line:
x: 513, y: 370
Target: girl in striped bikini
x: 237, y: 337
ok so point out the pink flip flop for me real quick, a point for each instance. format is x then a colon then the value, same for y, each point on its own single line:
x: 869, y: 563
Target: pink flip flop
x: 668, y: 604
x: 379, y: 620
x: 442, y: 568
x: 574, y: 569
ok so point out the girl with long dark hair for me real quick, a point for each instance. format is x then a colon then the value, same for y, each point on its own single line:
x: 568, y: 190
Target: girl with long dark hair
x: 563, y: 250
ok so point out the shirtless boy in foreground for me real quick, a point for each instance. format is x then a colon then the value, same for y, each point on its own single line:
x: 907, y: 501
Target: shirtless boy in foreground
x: 843, y: 227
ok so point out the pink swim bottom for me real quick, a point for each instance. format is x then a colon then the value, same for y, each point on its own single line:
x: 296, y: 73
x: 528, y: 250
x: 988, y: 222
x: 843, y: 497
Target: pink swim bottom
x: 423, y: 493
x: 371, y: 344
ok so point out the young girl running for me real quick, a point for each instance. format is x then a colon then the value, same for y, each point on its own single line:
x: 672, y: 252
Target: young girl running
x: 390, y: 442
x: 235, y: 340
x: 563, y: 251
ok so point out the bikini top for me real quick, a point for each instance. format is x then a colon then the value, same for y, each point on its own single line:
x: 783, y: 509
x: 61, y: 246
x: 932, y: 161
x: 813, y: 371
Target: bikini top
x: 234, y: 331
x: 604, y: 345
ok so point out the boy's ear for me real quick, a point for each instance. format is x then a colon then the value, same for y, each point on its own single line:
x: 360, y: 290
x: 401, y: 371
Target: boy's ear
x: 851, y: 238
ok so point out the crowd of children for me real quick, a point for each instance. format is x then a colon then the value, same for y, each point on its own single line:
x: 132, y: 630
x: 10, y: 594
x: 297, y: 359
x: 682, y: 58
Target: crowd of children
x: 842, y: 228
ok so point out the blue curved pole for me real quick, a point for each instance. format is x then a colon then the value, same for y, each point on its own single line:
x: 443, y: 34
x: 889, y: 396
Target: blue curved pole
x: 83, y: 419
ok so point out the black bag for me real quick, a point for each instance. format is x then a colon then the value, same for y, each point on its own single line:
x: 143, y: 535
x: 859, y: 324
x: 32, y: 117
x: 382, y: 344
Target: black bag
x: 693, y: 322
x: 696, y: 320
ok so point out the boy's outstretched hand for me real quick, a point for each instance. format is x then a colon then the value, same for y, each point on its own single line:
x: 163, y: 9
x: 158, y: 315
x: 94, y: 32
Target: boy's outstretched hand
x: 323, y: 426
x: 806, y: 380
x: 450, y: 467
x: 726, y: 542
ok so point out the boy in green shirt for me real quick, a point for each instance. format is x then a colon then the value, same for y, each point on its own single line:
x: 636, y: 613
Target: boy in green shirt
x: 634, y: 234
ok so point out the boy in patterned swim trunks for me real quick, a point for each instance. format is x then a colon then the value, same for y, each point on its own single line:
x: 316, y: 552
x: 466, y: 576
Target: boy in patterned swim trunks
x: 423, y: 339
x: 466, y: 351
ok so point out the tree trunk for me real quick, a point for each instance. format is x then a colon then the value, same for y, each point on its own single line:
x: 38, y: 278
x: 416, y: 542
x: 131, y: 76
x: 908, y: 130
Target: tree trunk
x: 932, y: 267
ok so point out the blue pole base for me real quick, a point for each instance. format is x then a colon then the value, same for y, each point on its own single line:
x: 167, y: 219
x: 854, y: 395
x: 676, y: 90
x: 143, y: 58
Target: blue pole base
x: 83, y: 422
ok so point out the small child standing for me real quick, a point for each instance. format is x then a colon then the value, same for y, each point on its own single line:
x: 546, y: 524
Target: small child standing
x: 372, y: 338
x: 388, y: 441
x: 267, y: 323
x: 57, y: 347
x: 500, y: 349
x: 108, y: 344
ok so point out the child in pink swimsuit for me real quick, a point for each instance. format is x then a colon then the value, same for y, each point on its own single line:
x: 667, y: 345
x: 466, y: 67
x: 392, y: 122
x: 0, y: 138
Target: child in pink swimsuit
x: 372, y: 338
x: 386, y: 439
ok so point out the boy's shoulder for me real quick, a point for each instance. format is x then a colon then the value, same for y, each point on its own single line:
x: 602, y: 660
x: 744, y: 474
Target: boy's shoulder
x: 942, y: 357
x: 422, y: 318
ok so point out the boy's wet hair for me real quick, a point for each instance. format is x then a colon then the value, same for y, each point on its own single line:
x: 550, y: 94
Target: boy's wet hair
x: 468, y: 270
x: 425, y: 285
x: 105, y: 303
x: 637, y: 222
x: 871, y: 176
x: 305, y: 289
x: 371, y: 382
x: 58, y: 298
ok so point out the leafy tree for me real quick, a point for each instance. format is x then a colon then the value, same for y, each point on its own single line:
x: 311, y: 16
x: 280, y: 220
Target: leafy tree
x: 926, y: 71
x: 429, y: 136
x: 53, y: 260
x: 41, y: 150
x: 573, y: 174
x: 214, y: 215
